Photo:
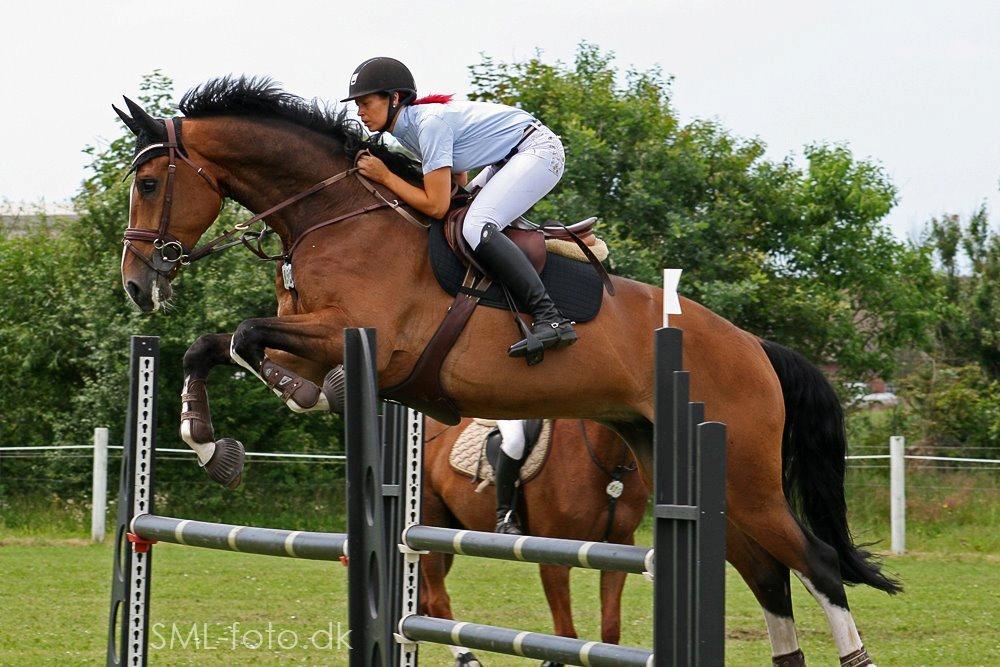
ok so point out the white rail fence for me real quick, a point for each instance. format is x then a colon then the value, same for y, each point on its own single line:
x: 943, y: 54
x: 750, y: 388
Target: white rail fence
x: 99, y: 493
x: 897, y: 458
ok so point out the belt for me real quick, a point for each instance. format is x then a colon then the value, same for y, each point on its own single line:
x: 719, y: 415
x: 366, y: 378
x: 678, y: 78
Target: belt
x: 528, y: 131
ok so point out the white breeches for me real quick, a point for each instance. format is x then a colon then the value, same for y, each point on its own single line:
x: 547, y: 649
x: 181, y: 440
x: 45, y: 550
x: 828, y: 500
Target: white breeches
x: 510, y: 191
x: 512, y: 433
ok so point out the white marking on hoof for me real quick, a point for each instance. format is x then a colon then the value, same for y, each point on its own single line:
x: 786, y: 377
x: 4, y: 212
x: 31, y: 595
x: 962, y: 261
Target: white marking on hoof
x: 840, y: 620
x: 322, y: 405
x: 204, y: 450
x: 781, y: 630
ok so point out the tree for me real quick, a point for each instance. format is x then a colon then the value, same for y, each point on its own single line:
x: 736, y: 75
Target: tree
x: 969, y: 260
x: 799, y: 255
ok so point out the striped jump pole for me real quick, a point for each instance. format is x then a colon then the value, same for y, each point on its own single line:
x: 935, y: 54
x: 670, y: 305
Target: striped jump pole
x: 561, y: 650
x: 245, y: 539
x: 528, y: 549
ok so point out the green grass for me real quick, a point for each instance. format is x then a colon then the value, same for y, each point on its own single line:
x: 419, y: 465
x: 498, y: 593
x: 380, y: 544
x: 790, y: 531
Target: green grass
x: 54, y: 587
x: 55, y: 594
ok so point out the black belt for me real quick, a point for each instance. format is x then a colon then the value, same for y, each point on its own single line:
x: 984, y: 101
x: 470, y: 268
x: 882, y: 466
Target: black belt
x: 528, y: 131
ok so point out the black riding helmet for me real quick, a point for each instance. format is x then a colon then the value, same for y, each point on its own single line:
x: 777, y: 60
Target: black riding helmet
x: 382, y: 75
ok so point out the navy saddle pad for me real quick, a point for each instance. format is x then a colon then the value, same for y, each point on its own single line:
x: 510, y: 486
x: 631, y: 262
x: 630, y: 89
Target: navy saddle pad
x: 574, y: 286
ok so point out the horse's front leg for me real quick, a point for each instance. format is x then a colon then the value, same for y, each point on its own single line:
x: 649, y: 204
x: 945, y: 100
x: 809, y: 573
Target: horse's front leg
x: 316, y: 339
x: 221, y: 459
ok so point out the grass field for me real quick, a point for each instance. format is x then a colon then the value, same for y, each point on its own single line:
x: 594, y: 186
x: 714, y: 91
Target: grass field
x: 54, y: 608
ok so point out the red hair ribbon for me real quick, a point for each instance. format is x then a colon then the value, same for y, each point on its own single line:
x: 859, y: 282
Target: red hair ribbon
x: 433, y: 99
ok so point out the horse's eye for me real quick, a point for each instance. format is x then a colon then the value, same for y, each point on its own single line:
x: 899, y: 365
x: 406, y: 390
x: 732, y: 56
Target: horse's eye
x: 147, y: 186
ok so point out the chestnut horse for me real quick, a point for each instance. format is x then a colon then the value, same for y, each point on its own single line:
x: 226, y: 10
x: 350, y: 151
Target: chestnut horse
x: 247, y: 140
x: 585, y: 452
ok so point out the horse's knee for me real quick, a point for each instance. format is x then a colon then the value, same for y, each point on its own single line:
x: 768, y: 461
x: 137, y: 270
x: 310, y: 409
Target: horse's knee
x: 204, y: 353
x: 248, y: 338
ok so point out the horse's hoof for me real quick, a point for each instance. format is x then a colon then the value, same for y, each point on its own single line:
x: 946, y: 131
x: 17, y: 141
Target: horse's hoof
x: 226, y: 464
x: 334, y: 389
x: 793, y: 659
x: 467, y: 659
x: 549, y: 663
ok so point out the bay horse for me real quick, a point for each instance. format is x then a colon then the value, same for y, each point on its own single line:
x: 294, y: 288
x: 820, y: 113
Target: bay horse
x: 248, y: 140
x: 585, y: 452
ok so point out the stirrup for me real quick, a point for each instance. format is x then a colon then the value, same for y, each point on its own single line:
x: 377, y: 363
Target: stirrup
x: 541, y: 337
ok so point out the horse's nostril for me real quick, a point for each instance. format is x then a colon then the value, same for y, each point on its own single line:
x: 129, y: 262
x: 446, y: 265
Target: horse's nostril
x: 133, y: 290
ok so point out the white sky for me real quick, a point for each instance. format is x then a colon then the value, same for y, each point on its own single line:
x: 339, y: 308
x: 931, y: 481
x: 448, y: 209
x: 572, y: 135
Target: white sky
x: 913, y: 84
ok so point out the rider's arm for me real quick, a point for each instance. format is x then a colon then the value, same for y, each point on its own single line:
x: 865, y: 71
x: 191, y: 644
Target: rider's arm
x: 433, y: 198
x: 461, y: 179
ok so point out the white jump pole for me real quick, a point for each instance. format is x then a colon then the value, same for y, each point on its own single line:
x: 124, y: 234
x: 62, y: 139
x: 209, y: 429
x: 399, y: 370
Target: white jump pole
x: 99, y: 496
x: 671, y: 302
x: 897, y: 493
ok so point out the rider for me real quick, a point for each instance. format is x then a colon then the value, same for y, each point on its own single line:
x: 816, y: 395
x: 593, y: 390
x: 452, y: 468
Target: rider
x: 506, y: 473
x: 522, y: 161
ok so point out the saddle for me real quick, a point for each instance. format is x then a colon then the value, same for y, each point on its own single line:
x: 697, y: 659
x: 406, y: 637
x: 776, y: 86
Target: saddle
x: 526, y: 235
x: 422, y: 389
x: 475, y: 452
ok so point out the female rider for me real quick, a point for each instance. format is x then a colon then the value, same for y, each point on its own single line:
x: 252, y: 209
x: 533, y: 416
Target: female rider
x: 522, y: 161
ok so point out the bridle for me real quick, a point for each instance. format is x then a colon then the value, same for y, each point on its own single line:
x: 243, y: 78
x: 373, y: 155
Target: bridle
x: 170, y: 253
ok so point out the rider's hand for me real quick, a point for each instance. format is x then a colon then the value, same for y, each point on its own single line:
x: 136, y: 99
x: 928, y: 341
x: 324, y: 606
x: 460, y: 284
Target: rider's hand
x: 372, y: 168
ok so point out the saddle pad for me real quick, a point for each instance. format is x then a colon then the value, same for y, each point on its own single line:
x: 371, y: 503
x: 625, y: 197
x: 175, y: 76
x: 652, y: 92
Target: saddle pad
x: 468, y: 454
x: 574, y: 286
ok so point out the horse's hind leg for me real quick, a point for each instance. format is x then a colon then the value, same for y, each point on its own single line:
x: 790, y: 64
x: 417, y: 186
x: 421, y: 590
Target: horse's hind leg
x: 813, y: 561
x: 769, y: 581
x: 222, y: 459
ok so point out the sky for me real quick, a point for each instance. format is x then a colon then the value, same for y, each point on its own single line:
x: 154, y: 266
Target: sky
x: 910, y: 84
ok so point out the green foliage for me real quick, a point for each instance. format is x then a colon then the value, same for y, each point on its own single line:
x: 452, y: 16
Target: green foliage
x: 955, y: 406
x: 65, y: 323
x: 799, y: 255
x: 969, y: 258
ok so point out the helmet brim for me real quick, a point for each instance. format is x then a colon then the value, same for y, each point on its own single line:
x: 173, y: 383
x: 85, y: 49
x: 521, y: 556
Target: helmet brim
x: 376, y: 90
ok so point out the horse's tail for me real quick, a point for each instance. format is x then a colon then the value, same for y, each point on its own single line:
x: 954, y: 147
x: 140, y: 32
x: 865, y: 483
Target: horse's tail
x: 813, y: 448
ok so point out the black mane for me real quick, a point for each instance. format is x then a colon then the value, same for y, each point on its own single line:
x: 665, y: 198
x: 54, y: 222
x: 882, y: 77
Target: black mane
x: 262, y: 97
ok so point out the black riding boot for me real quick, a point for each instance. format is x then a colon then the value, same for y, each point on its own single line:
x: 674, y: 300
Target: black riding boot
x: 504, y: 477
x: 506, y: 263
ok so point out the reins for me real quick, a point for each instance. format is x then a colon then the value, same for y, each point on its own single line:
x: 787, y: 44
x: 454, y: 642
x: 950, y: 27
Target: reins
x: 173, y: 253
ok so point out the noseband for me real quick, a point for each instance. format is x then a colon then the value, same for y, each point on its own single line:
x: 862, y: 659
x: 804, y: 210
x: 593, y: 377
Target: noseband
x: 170, y: 253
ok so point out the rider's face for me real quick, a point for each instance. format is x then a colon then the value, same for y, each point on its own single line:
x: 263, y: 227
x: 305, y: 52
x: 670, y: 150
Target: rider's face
x: 373, y: 109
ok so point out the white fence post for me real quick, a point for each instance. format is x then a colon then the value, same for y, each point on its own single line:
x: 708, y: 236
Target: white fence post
x: 99, y: 506
x: 897, y: 493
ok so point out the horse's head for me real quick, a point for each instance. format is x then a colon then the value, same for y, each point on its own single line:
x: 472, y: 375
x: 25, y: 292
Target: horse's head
x: 172, y: 202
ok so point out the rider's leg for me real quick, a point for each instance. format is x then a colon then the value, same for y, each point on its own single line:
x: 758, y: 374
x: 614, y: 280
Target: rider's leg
x: 505, y: 475
x: 527, y: 177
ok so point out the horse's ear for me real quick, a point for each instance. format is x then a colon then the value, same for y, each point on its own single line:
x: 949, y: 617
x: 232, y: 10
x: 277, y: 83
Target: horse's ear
x: 143, y: 122
x: 129, y: 123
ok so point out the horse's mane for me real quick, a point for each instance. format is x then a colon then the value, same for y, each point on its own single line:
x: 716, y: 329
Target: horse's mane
x: 262, y: 97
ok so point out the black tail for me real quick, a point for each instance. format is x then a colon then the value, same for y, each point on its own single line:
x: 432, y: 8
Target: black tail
x: 813, y: 448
